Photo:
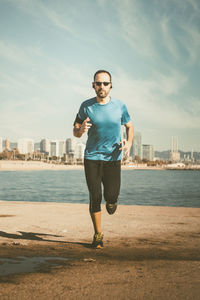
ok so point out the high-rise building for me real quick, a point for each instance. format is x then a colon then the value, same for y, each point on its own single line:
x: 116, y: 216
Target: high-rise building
x: 1, y: 144
x: 70, y: 146
x: 62, y: 148
x: 175, y: 154
x: 25, y: 146
x: 136, y: 149
x: 54, y: 148
x: 45, y: 146
x: 147, y: 152
x: 7, y: 144
x: 79, y: 151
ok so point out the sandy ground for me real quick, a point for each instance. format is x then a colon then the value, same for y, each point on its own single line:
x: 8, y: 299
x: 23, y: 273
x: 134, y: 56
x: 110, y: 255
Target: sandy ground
x: 149, y: 253
x: 17, y: 165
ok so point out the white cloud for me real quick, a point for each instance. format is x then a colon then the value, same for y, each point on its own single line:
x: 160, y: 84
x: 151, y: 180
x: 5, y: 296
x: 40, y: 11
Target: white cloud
x: 191, y: 41
x: 149, y: 102
x: 59, y: 18
x: 168, y: 37
x: 194, y: 4
x: 135, y: 27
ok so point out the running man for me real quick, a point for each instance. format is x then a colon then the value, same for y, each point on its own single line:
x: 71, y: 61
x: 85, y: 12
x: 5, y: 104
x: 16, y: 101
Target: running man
x: 101, y: 117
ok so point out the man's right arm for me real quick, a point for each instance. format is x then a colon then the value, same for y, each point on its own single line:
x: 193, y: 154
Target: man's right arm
x: 77, y: 130
x: 80, y: 129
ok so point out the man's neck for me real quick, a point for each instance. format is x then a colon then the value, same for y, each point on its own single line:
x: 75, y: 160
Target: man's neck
x: 103, y: 100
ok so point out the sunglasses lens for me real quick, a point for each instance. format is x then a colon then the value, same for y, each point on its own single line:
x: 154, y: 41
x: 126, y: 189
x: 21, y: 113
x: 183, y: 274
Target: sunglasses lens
x: 98, y: 83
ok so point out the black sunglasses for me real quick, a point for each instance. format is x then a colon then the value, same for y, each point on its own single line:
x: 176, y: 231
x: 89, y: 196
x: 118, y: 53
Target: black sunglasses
x: 98, y: 83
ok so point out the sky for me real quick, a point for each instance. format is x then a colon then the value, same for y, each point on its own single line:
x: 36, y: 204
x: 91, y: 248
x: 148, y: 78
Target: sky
x: 49, y: 51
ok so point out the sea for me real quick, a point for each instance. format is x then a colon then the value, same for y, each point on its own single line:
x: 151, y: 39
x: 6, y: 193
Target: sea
x: 176, y: 188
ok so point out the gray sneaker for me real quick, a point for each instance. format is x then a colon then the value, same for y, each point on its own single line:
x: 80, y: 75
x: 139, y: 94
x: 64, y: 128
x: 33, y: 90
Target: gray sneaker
x: 98, y: 241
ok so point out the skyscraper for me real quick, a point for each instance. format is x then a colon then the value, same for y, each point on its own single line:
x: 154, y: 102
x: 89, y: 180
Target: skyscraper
x: 61, y: 148
x: 45, y: 146
x: 25, y: 146
x: 175, y: 154
x: 1, y: 145
x: 147, y: 152
x: 7, y: 144
x: 70, y: 146
x: 79, y: 151
x: 136, y: 149
x: 54, y: 148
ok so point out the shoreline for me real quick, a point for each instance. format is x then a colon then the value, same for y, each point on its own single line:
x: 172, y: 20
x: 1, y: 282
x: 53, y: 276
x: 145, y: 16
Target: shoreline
x: 11, y: 165
x: 149, y: 252
x: 16, y: 165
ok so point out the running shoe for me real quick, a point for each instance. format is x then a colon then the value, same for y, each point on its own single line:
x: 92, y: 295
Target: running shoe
x: 98, y: 240
x: 111, y: 208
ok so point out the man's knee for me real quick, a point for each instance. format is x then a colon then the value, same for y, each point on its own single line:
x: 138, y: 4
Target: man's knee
x: 94, y: 208
x: 111, y: 196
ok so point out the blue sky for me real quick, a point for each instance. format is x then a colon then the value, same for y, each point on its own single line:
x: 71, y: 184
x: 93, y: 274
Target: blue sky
x: 49, y: 51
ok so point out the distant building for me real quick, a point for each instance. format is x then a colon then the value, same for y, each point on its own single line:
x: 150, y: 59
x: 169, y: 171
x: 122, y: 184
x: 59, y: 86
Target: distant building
x: 148, y: 152
x: 25, y: 146
x: 70, y: 146
x: 1, y: 144
x: 61, y: 148
x: 54, y: 148
x: 7, y: 145
x: 45, y: 146
x: 136, y: 149
x: 79, y: 151
x: 175, y: 154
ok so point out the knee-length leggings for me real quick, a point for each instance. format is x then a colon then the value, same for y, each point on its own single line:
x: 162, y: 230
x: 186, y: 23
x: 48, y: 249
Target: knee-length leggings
x: 108, y: 173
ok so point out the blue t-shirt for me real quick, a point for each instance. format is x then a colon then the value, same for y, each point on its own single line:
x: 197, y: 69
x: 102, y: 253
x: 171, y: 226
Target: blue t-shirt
x: 104, y: 136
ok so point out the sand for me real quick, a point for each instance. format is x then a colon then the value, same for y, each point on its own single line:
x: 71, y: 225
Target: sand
x: 149, y: 253
x: 20, y: 165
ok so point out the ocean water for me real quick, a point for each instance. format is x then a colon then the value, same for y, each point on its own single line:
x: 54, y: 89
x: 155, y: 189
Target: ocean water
x: 139, y: 187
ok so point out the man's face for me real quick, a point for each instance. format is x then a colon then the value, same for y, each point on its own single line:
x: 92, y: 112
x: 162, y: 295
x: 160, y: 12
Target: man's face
x: 102, y: 90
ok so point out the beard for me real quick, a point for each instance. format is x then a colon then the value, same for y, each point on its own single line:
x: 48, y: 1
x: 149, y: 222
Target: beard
x: 101, y: 93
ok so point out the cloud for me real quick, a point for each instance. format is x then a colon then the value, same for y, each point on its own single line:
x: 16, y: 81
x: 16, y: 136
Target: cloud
x: 150, y: 104
x: 169, y: 41
x: 134, y: 27
x: 57, y: 17
x: 12, y: 53
x: 191, y: 42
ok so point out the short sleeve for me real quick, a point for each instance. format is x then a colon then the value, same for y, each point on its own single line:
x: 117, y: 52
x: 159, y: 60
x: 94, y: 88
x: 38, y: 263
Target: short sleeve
x: 125, y: 115
x: 81, y: 116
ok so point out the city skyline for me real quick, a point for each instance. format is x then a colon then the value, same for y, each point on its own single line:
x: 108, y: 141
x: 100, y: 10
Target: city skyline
x: 49, y: 53
x: 138, y: 140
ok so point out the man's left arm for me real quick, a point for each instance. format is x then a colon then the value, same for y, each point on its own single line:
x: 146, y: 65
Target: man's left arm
x: 127, y: 144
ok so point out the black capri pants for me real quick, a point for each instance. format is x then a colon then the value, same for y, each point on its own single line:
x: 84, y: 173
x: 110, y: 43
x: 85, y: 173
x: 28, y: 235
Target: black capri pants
x: 108, y: 173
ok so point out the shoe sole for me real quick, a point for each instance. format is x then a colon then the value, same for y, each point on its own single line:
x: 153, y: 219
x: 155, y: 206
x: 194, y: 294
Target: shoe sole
x: 112, y: 211
x: 99, y: 247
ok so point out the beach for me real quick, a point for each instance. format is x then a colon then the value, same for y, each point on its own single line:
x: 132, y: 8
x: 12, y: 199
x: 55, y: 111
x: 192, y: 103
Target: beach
x: 149, y: 253
x: 20, y: 165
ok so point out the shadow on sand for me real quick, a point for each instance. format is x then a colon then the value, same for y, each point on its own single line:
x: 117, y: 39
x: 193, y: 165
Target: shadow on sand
x: 35, y: 236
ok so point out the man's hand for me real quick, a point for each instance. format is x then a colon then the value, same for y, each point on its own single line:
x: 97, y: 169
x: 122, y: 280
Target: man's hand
x: 80, y: 129
x: 127, y: 147
x: 85, y: 126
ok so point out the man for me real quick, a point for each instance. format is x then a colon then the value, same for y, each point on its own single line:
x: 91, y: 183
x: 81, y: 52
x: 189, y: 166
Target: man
x: 101, y: 117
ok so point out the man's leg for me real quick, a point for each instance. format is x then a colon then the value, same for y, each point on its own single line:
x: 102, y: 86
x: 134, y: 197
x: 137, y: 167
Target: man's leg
x: 111, y: 182
x: 93, y: 174
x: 96, y: 220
